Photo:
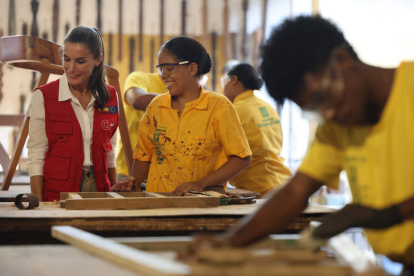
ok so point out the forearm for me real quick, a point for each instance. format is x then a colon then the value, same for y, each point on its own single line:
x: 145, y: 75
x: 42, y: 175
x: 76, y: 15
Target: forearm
x: 407, y: 209
x: 138, y: 98
x: 282, y: 207
x: 140, y: 170
x: 112, y: 176
x: 229, y: 170
x: 36, y: 186
x: 143, y: 101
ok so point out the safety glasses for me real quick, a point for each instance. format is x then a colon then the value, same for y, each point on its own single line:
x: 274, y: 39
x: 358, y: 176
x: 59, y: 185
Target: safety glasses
x: 170, y: 68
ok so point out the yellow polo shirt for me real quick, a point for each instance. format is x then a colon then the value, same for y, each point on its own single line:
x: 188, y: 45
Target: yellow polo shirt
x: 149, y: 82
x: 187, y: 148
x: 261, y: 124
x: 379, y: 161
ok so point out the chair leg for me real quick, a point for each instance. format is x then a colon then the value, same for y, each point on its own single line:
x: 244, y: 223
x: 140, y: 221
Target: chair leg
x: 21, y: 140
x: 123, y: 126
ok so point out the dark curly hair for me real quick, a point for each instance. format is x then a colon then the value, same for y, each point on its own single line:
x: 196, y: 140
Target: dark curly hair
x: 299, y: 45
x: 186, y: 48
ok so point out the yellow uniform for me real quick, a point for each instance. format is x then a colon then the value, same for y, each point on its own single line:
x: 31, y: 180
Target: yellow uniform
x: 149, y: 83
x: 189, y: 147
x: 379, y: 161
x: 261, y: 124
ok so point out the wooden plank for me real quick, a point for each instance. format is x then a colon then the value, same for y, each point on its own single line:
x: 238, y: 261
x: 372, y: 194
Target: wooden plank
x: 114, y: 195
x: 53, y: 260
x: 348, y: 252
x: 74, y: 196
x: 154, y: 194
x: 176, y: 243
x: 140, y: 203
x: 127, y: 257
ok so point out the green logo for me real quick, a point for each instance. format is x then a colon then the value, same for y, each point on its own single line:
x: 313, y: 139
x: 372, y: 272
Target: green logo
x: 264, y: 112
x: 159, y: 147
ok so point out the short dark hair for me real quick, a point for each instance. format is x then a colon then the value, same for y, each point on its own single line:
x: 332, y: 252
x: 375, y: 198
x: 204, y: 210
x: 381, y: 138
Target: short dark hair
x: 299, y: 45
x: 186, y: 48
x: 228, y: 65
x: 92, y: 39
x: 247, y: 75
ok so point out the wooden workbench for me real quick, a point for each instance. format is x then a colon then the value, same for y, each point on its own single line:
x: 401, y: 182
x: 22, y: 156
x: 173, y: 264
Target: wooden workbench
x: 33, y: 226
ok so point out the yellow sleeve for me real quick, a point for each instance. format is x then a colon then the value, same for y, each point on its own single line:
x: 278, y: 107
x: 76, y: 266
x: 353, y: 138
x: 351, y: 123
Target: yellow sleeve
x: 136, y: 79
x: 324, y: 159
x: 145, y: 144
x: 230, y: 132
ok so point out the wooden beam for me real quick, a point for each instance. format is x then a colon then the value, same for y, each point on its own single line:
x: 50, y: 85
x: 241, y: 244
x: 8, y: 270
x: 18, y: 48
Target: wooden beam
x: 11, y: 119
x: 125, y: 256
x: 140, y: 203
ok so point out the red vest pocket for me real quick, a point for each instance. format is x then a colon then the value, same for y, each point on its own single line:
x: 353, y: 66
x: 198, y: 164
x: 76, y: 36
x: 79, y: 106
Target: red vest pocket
x: 60, y: 124
x: 62, y: 157
x: 107, y: 147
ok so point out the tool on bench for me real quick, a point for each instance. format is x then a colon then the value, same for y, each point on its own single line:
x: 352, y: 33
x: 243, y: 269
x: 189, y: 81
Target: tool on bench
x: 226, y: 199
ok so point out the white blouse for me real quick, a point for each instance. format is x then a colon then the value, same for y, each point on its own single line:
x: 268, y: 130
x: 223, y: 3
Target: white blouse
x: 38, y: 143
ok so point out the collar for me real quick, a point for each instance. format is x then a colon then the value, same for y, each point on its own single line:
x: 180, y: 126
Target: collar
x: 200, y: 103
x: 243, y: 95
x: 65, y: 93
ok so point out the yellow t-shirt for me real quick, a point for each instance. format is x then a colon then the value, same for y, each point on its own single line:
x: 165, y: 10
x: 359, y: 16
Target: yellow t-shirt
x: 379, y: 161
x: 187, y: 148
x: 261, y: 124
x: 149, y: 82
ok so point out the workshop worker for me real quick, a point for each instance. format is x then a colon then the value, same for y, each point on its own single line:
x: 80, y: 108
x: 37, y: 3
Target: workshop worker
x: 261, y: 124
x: 140, y: 88
x: 73, y: 122
x: 368, y: 133
x: 182, y: 133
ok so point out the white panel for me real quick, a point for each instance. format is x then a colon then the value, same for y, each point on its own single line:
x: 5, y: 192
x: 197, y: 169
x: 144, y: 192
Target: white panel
x: 88, y: 13
x: 254, y: 15
x: 152, y: 17
x: 277, y: 11
x: 23, y: 15
x: 67, y: 14
x: 194, y: 17
x: 380, y: 30
x: 215, y: 16
x: 110, y: 16
x: 44, y: 18
x: 235, y: 16
x: 172, y: 17
x: 130, y: 16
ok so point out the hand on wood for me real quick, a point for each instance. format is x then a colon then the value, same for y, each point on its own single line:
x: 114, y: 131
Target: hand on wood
x: 127, y: 184
x: 188, y: 186
x: 355, y: 215
x: 201, y: 242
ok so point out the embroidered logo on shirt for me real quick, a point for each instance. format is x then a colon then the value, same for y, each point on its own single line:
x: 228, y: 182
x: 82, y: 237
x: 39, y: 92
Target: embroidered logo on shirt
x: 105, y: 124
x: 109, y: 109
x: 159, y: 145
x: 264, y: 111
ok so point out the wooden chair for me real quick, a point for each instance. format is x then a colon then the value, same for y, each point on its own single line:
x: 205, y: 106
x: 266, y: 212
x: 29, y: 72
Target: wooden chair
x: 41, y: 55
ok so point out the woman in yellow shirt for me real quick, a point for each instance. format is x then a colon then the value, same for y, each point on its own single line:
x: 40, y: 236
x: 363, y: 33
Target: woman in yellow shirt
x: 261, y: 124
x: 189, y: 139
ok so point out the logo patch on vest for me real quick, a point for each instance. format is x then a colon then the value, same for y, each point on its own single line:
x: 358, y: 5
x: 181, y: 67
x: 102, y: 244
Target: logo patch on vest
x: 109, y: 109
x: 105, y: 124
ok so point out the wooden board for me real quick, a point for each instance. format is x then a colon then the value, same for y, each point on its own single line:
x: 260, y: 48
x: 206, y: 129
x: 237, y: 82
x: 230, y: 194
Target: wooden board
x: 134, y: 200
x: 55, y: 260
x: 127, y: 257
x: 252, y: 260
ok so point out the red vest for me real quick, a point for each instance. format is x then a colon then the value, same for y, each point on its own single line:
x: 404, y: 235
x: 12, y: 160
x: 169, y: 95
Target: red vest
x: 64, y: 158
